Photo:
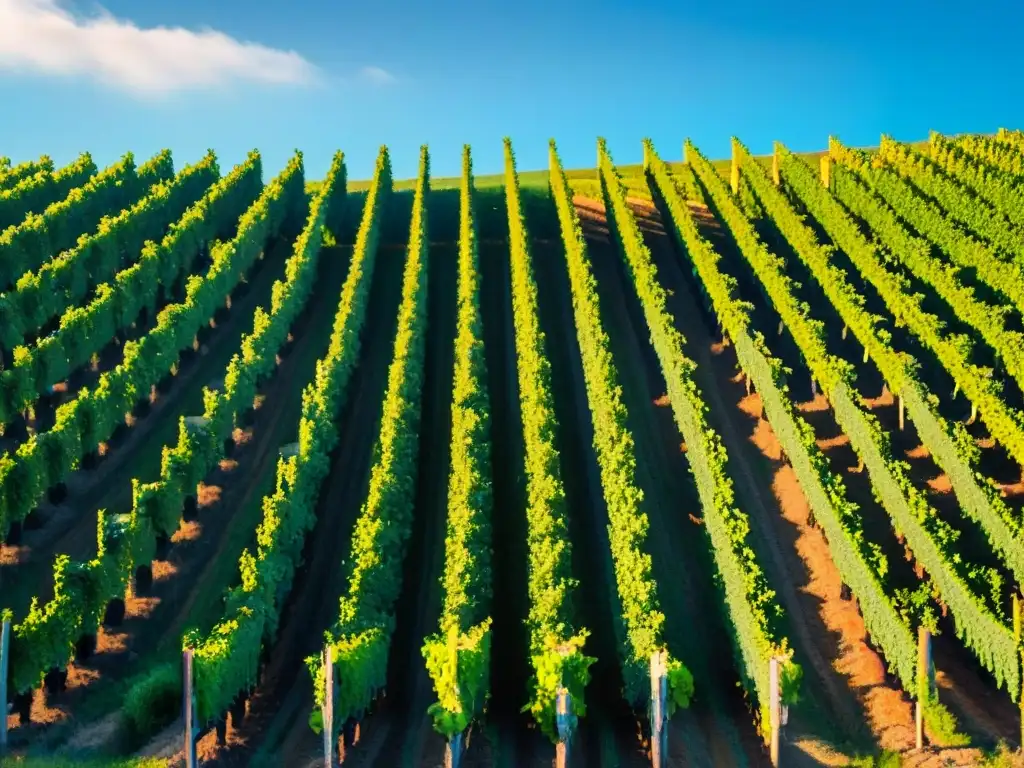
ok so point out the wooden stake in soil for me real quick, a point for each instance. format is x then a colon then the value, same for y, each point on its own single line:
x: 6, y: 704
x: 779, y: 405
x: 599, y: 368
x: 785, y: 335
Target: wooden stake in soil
x: 327, y: 710
x: 902, y: 415
x: 5, y: 652
x: 189, y: 705
x: 563, y: 713
x: 826, y: 171
x: 774, y: 708
x: 1018, y: 633
x: 659, y: 693
x: 925, y: 682
x: 775, y: 168
x: 453, y: 751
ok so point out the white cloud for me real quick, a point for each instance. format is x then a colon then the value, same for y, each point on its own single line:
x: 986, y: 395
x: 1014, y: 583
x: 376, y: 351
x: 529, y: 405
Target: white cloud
x: 41, y: 36
x: 376, y: 75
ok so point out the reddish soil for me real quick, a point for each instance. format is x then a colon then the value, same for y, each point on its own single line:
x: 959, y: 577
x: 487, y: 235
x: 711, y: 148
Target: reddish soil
x: 716, y: 730
x: 984, y: 712
x: 833, y: 625
x: 828, y: 631
x: 154, y: 622
x: 608, y: 732
x: 878, y: 526
x: 71, y: 525
x: 41, y: 414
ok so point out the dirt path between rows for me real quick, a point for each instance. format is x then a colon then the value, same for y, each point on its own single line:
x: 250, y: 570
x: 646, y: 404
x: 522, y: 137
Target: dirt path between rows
x: 506, y: 739
x: 607, y: 735
x: 280, y: 707
x: 187, y: 587
x: 70, y: 527
x: 794, y: 555
x: 890, y: 720
x: 717, y: 729
x: 970, y: 691
x: 400, y: 734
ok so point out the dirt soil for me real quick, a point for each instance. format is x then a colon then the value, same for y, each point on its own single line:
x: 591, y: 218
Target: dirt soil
x: 849, y: 678
x: 70, y: 528
x: 188, y: 585
x: 607, y: 735
x: 984, y: 712
x: 836, y: 446
x: 280, y: 707
x: 717, y: 729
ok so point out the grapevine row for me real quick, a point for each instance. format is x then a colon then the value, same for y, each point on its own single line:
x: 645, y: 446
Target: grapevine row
x: 157, y: 506
x: 34, y: 193
x: 750, y: 604
x: 953, y: 449
x: 556, y: 644
x: 996, y: 188
x: 994, y: 153
x: 927, y: 535
x: 9, y: 176
x: 47, y: 635
x: 82, y: 424
x: 958, y: 201
x: 40, y: 236
x: 65, y: 280
x: 861, y: 563
x: 361, y: 636
x: 639, y: 621
x: 1000, y: 274
x: 458, y: 655
x: 1011, y: 138
x: 227, y: 659
x: 85, y: 330
x: 915, y: 255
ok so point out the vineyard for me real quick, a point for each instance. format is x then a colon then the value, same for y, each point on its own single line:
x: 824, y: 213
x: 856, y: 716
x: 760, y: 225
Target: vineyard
x: 699, y: 463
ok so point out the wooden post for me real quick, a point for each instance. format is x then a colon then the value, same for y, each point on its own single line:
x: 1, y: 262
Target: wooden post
x: 774, y: 708
x: 327, y: 710
x: 775, y: 168
x: 189, y: 705
x: 826, y: 171
x: 902, y: 415
x: 746, y: 380
x: 865, y: 354
x: 924, y: 679
x: 781, y: 326
x: 734, y: 176
x: 974, y: 413
x: 814, y: 387
x: 453, y: 751
x: 564, y: 720
x: 5, y: 653
x: 845, y: 329
x: 1018, y: 633
x: 659, y: 694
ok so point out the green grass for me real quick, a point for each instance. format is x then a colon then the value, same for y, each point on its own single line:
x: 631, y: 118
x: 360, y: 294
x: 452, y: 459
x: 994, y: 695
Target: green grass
x: 583, y: 180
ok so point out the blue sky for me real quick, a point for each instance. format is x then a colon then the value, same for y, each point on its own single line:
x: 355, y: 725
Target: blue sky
x: 473, y: 72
